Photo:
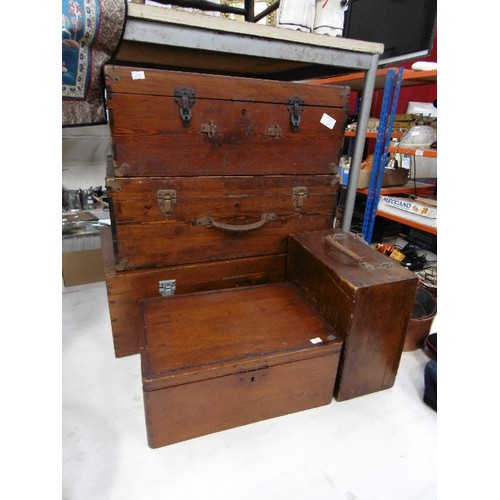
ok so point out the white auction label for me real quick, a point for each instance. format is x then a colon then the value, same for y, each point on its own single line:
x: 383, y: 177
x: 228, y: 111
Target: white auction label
x: 328, y: 121
x: 138, y: 75
x: 317, y: 340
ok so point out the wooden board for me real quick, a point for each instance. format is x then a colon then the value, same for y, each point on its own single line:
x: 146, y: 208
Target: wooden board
x: 162, y: 37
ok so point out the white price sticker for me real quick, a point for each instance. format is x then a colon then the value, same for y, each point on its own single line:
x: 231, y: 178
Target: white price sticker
x: 317, y: 340
x: 138, y: 75
x: 328, y: 121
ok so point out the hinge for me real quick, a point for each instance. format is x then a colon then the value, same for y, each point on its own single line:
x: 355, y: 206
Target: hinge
x: 185, y: 99
x: 122, y: 169
x: 299, y: 194
x: 113, y: 184
x: 166, y: 199
x: 121, y: 265
x: 295, y: 107
x: 166, y: 287
x: 109, y: 71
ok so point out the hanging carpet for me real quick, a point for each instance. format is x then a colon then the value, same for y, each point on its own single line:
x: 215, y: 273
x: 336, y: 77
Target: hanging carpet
x: 91, y: 32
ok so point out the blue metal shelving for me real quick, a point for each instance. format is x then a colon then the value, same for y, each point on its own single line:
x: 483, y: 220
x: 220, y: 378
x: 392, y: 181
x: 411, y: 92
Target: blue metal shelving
x: 392, y: 87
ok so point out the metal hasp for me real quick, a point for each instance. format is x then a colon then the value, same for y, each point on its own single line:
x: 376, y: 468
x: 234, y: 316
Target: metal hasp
x: 389, y: 103
x: 274, y: 131
x: 209, y: 128
x: 166, y: 287
x: 295, y: 107
x: 185, y: 99
x: 166, y: 199
x: 299, y: 194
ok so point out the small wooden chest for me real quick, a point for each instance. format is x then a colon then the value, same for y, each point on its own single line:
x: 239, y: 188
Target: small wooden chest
x: 216, y: 360
x: 364, y: 295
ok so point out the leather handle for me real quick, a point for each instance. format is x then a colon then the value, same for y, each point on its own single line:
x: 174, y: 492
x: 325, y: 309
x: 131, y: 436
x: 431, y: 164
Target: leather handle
x: 335, y: 240
x: 210, y: 222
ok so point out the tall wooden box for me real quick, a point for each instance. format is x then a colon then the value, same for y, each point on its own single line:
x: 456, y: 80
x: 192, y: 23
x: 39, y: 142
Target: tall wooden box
x: 216, y: 360
x: 365, y: 296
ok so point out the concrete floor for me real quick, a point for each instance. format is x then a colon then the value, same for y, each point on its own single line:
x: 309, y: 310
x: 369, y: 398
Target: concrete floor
x: 377, y: 447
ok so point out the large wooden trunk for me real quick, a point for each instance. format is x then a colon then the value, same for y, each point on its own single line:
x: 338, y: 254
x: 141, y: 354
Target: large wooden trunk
x: 215, y: 360
x: 215, y: 218
x: 365, y: 296
x: 209, y: 176
x: 187, y: 124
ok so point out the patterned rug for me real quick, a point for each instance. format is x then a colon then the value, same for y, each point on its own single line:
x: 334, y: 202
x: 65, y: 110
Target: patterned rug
x: 91, y: 32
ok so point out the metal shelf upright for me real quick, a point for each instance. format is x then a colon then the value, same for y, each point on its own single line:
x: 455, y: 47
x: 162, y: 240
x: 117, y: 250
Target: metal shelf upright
x: 392, y: 87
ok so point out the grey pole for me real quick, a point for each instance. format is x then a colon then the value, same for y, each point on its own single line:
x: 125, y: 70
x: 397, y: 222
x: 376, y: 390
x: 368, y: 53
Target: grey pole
x: 359, y: 142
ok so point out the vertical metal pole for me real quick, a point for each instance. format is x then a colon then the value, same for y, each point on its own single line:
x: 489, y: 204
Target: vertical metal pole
x: 359, y: 142
x: 356, y: 111
x: 249, y: 10
x: 391, y: 93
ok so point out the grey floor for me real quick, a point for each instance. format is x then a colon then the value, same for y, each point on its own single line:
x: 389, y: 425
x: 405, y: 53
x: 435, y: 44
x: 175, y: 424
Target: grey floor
x: 377, y: 447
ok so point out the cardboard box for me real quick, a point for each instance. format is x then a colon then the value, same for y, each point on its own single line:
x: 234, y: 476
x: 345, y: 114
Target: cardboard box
x: 82, y: 261
x: 81, y: 267
x: 416, y: 207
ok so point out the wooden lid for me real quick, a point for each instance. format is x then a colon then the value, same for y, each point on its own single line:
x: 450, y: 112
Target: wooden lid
x: 208, y: 334
x: 352, y: 263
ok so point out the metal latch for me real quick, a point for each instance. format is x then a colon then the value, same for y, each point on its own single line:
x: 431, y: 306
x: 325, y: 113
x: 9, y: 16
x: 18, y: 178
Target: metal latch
x: 274, y: 131
x: 185, y: 99
x: 209, y: 128
x: 295, y: 107
x: 166, y: 199
x: 166, y: 287
x: 299, y: 194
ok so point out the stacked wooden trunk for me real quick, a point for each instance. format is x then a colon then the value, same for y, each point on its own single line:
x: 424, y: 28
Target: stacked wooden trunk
x: 210, y: 176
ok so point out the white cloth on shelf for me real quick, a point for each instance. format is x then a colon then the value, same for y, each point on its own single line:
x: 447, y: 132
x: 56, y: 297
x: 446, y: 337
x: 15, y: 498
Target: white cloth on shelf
x: 296, y: 15
x: 329, y: 17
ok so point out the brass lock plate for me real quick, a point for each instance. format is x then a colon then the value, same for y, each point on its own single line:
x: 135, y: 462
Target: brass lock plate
x: 166, y: 199
x: 299, y: 195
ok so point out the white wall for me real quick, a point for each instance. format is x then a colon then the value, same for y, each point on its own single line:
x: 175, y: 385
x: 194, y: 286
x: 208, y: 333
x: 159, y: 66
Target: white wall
x: 84, y: 152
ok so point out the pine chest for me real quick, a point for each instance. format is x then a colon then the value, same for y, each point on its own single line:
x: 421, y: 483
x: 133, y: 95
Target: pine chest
x: 216, y: 360
x: 364, y: 295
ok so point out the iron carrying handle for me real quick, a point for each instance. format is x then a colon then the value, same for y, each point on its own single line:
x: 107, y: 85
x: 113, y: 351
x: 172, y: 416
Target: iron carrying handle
x: 335, y: 240
x: 210, y: 222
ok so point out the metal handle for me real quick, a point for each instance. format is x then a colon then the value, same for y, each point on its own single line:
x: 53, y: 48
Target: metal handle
x: 210, y: 222
x: 334, y: 240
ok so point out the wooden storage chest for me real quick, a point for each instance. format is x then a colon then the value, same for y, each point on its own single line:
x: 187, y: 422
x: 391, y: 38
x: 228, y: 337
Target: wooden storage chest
x: 364, y: 295
x: 216, y: 360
